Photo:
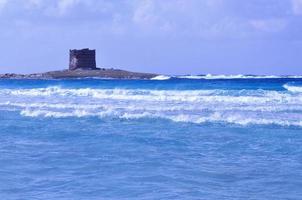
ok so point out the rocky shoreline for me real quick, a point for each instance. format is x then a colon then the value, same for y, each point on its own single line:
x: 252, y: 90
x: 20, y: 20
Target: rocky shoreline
x: 79, y: 73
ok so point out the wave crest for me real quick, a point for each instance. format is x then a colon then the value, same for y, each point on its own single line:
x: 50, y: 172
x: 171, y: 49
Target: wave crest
x: 293, y: 88
x: 191, y: 106
x: 161, y: 78
x: 214, y: 118
x: 238, y: 76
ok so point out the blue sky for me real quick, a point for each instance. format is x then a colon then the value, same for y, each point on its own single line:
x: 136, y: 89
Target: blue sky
x: 164, y: 36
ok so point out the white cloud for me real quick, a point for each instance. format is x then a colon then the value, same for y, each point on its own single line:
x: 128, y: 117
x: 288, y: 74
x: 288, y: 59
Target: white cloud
x: 269, y: 25
x: 65, y: 5
x: 3, y: 3
x: 185, y: 18
x: 144, y: 13
x: 35, y: 2
x: 206, y: 19
x: 297, y: 7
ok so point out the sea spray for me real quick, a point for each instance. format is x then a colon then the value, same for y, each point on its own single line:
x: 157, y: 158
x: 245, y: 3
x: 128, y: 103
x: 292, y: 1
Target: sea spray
x: 230, y: 106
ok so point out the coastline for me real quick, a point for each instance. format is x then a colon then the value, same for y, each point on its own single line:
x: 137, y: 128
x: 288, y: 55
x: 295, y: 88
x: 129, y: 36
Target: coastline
x: 80, y: 73
x: 111, y: 73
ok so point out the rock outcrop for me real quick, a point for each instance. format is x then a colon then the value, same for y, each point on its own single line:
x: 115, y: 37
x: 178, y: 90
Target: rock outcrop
x: 82, y: 64
x: 79, y: 73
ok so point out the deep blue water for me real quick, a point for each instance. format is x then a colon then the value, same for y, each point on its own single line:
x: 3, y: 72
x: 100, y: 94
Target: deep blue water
x: 135, y: 139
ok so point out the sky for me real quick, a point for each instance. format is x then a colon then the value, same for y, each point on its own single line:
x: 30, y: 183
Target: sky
x: 163, y: 36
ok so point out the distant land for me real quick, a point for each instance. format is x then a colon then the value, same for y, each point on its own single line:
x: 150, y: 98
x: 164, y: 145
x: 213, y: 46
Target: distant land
x: 82, y: 73
x: 82, y: 64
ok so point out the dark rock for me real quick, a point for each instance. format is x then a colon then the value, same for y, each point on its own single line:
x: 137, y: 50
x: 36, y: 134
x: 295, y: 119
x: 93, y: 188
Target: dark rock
x: 82, y: 59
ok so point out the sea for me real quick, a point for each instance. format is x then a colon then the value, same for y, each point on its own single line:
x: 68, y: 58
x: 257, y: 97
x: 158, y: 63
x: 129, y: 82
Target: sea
x: 181, y: 137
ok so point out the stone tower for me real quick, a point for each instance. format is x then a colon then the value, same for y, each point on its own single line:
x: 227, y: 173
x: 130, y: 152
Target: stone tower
x: 82, y: 59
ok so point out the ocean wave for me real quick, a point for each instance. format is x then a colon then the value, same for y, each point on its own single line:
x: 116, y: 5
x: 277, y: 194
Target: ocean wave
x: 191, y: 77
x: 161, y: 78
x: 215, y: 118
x: 293, y: 88
x: 55, y: 114
x: 242, y: 107
x: 198, y: 96
x: 180, y: 118
x: 239, y: 76
x: 156, y: 108
x: 235, y: 119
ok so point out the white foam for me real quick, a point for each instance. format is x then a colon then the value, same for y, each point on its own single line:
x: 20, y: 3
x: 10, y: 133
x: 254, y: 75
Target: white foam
x: 191, y: 77
x: 214, y: 118
x: 198, y: 96
x: 293, y: 88
x: 238, y: 76
x: 243, y: 107
x: 62, y: 114
x: 161, y: 78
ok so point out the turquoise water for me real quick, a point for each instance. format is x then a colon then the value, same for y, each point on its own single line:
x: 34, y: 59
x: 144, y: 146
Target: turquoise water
x: 161, y: 139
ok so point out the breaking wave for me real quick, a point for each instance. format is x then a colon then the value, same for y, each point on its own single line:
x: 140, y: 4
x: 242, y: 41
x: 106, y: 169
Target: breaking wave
x: 239, y: 76
x: 293, y: 88
x: 213, y: 77
x: 214, y: 118
x: 161, y: 78
x: 243, y: 107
